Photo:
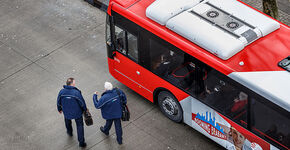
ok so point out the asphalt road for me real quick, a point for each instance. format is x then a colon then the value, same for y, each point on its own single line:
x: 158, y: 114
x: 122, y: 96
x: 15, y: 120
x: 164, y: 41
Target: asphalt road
x: 43, y: 42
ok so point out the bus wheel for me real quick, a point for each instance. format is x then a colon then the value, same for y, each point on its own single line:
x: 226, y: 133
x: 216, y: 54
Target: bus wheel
x: 169, y: 106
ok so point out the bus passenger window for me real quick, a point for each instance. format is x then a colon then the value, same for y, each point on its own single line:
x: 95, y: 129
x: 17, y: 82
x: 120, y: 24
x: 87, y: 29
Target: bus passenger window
x: 120, y: 40
x: 239, y: 102
x: 161, y: 65
x: 132, y: 46
x: 226, y: 98
x: 270, y: 123
x: 160, y: 59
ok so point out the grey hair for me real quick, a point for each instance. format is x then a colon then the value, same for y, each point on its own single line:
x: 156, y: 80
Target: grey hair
x: 108, y: 86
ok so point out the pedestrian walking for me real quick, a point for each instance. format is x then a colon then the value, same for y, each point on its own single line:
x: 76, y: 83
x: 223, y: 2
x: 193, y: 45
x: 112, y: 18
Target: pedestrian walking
x: 111, y: 108
x: 71, y: 102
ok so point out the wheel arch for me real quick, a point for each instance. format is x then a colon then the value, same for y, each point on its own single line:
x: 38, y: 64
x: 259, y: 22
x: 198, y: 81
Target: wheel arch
x: 157, y: 91
x: 155, y: 98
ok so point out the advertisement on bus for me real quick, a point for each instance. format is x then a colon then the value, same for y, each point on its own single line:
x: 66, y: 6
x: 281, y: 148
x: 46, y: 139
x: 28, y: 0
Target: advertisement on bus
x: 220, y: 129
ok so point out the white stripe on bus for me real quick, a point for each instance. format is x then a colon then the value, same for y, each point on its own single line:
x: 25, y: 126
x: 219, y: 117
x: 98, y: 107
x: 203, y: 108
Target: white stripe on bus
x: 133, y: 80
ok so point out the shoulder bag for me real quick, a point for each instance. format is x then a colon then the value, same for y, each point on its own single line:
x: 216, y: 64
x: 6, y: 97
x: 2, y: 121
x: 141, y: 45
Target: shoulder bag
x: 125, y: 109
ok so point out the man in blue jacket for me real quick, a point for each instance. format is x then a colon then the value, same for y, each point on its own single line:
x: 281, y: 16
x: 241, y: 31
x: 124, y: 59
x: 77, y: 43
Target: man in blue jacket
x: 110, y: 105
x: 71, y: 102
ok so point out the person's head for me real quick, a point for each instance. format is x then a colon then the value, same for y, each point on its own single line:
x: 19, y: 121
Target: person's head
x: 108, y: 86
x: 238, y: 138
x: 70, y: 82
x: 243, y: 96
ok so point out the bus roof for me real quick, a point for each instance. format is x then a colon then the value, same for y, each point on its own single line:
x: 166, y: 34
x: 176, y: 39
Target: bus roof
x: 255, y: 66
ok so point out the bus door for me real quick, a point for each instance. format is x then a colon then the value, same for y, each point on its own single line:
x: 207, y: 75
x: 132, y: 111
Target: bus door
x: 126, y: 59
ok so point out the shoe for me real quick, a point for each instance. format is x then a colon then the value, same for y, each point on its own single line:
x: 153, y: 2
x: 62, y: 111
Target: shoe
x: 103, y: 130
x: 83, y: 144
x: 119, y: 142
x: 69, y: 134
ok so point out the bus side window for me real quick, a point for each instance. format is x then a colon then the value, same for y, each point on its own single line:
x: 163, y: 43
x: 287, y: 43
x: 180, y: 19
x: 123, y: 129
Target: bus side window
x: 270, y: 124
x: 108, y: 31
x: 132, y: 46
x: 159, y: 55
x: 120, y: 35
x: 226, y: 98
x: 126, y: 43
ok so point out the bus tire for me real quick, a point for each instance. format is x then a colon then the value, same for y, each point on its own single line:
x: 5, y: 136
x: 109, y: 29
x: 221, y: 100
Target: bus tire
x: 169, y: 106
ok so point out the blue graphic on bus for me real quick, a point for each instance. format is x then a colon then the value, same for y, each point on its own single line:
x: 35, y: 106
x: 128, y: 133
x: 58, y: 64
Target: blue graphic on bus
x: 207, y: 118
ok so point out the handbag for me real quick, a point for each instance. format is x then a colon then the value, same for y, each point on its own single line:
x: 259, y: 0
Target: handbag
x: 125, y: 109
x: 125, y: 113
x: 88, y: 118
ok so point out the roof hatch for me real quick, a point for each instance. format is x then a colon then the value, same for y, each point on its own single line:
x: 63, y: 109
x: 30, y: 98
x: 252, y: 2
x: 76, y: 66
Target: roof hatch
x: 222, y: 27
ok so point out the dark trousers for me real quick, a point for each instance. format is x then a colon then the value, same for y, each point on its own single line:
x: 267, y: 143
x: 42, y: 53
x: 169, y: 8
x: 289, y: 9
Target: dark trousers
x: 118, y: 128
x: 80, y: 128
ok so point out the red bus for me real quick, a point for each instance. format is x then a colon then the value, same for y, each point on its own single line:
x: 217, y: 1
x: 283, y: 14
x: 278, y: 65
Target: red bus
x: 219, y: 66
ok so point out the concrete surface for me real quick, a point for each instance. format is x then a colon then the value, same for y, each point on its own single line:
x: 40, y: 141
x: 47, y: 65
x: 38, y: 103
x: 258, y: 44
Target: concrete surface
x: 43, y: 42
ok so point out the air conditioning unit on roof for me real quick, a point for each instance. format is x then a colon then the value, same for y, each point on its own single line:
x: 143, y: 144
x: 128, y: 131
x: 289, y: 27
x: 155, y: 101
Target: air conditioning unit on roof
x: 222, y: 27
